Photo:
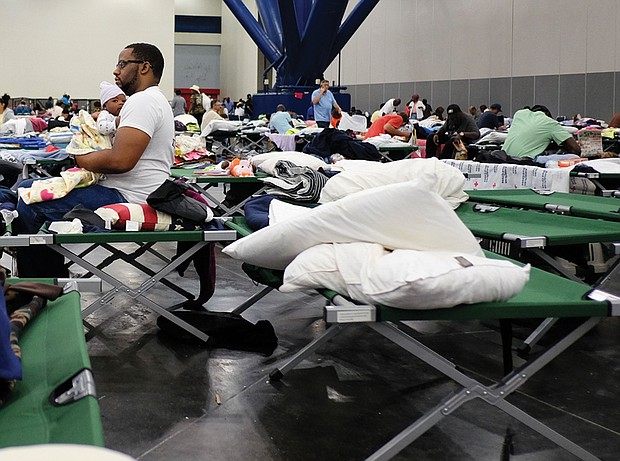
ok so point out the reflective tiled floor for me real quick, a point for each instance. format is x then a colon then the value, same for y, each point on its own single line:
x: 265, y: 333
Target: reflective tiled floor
x: 162, y: 399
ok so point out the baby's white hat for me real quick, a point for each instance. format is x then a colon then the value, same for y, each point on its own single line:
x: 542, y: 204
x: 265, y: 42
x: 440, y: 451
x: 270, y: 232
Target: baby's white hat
x: 108, y: 91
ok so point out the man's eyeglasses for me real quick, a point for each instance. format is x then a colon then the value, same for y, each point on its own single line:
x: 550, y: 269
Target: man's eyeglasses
x: 122, y: 63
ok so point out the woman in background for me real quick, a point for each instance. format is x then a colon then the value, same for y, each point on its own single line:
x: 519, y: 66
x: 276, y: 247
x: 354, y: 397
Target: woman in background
x: 6, y: 113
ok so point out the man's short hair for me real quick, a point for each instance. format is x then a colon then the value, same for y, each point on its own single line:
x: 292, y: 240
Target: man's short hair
x: 214, y: 102
x: 280, y: 108
x: 405, y: 117
x: 150, y: 53
x: 541, y: 108
x: 177, y: 92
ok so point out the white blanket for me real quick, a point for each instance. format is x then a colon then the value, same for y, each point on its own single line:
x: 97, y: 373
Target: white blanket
x: 220, y: 125
x: 448, y: 181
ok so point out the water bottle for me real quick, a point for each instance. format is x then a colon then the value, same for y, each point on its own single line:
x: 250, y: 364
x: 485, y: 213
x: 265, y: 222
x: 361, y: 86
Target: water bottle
x: 8, y: 216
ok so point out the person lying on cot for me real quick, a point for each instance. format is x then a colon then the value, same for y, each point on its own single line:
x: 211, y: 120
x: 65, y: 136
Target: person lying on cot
x: 389, y: 124
x: 112, y: 100
x: 138, y: 162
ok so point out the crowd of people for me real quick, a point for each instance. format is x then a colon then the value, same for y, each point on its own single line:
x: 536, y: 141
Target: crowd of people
x: 532, y: 135
x: 134, y: 110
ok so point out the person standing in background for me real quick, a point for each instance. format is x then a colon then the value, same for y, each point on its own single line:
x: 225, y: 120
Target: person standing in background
x: 323, y: 101
x: 229, y: 105
x: 249, y: 106
x: 389, y: 107
x: 196, y: 107
x: 416, y: 108
x: 178, y: 104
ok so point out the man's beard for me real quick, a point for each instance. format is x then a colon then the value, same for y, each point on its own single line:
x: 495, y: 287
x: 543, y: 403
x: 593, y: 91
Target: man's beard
x: 130, y: 87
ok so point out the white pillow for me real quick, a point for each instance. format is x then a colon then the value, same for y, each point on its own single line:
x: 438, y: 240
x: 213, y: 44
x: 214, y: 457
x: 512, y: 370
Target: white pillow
x: 312, y: 269
x: 404, y: 215
x: 281, y: 211
x: 410, y: 279
x: 268, y: 160
x: 406, y: 279
x: 333, y: 266
x: 448, y: 183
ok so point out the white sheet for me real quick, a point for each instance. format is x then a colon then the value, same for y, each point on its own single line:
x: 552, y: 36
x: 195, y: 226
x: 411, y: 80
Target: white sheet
x: 220, y: 125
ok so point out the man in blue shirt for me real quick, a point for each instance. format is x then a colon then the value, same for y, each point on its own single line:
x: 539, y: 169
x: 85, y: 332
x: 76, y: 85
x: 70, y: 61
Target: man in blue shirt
x: 280, y: 121
x: 323, y: 101
x: 489, y: 118
x: 23, y: 109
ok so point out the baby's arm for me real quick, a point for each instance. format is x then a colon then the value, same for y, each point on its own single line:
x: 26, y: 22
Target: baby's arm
x: 106, y: 123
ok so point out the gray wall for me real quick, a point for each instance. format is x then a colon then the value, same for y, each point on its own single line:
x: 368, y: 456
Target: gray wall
x: 591, y: 95
x: 560, y: 53
x: 197, y: 65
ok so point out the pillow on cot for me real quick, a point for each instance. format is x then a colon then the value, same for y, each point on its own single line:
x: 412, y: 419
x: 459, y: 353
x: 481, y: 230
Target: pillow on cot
x: 410, y: 279
x: 405, y: 279
x: 404, y: 215
x: 145, y: 217
x: 449, y: 182
x: 268, y: 160
x: 315, y: 268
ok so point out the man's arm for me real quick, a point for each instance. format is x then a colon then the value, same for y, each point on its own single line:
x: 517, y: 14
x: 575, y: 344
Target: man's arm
x: 470, y: 130
x: 393, y: 131
x: 129, y: 145
x: 318, y: 96
x: 571, y: 146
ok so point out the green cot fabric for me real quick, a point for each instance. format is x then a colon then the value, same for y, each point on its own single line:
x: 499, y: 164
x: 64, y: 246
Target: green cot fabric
x: 239, y: 224
x: 267, y: 277
x: 204, y: 179
x: 135, y: 237
x: 587, y: 206
x: 53, y: 350
x: 557, y: 229
x: 545, y: 295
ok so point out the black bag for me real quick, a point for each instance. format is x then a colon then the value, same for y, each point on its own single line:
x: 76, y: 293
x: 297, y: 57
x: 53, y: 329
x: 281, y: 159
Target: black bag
x: 225, y: 329
x: 175, y: 198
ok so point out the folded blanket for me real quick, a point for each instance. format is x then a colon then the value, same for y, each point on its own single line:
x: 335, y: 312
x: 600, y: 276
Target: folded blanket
x: 86, y: 137
x: 58, y: 187
x: 298, y: 183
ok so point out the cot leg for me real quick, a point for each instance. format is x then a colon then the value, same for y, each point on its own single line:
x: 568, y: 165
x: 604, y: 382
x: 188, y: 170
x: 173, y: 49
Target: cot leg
x: 546, y: 431
x: 252, y: 300
x: 505, y: 326
x: 494, y: 395
x: 278, y: 373
x: 535, y: 336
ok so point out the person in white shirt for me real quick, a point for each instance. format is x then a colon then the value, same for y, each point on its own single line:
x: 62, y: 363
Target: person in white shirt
x: 138, y: 162
x: 215, y: 113
x: 416, y: 107
x: 390, y: 106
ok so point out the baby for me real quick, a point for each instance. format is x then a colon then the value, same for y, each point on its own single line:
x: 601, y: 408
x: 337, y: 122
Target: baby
x: 112, y: 100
